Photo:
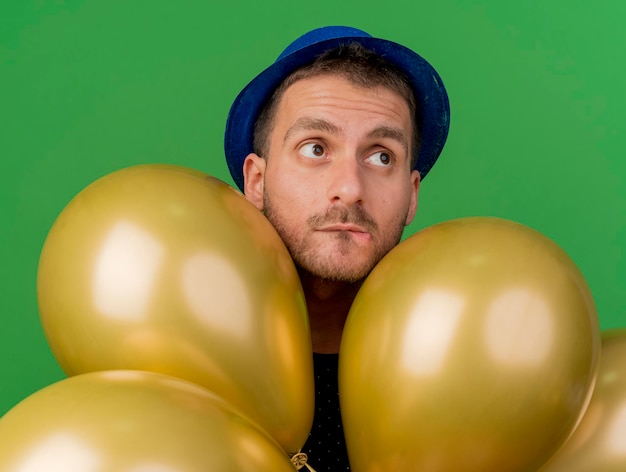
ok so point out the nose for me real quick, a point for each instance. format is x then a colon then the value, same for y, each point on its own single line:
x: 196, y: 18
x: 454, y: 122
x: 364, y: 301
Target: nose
x: 345, y: 182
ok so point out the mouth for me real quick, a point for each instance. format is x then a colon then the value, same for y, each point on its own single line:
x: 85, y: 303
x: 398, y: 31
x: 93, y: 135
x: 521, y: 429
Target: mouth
x: 356, y: 231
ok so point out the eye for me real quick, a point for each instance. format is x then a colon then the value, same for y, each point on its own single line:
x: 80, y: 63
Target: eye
x: 313, y: 150
x: 380, y: 158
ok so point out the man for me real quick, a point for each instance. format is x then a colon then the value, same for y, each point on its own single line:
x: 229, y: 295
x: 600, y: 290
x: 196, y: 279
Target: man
x: 331, y: 143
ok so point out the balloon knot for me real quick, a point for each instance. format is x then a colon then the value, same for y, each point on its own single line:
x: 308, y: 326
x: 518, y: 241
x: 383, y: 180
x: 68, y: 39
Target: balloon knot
x: 299, y: 460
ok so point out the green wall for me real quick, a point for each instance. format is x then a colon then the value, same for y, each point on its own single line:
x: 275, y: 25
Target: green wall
x: 88, y: 87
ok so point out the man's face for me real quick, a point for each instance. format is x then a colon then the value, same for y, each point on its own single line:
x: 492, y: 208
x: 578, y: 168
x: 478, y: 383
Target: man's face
x: 337, y: 183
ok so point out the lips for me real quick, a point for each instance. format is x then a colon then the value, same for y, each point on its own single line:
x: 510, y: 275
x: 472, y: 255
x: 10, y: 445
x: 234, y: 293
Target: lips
x: 343, y: 227
x: 355, y: 230
x: 350, y: 222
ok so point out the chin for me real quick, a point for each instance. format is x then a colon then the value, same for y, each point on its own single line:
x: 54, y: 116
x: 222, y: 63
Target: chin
x: 346, y: 272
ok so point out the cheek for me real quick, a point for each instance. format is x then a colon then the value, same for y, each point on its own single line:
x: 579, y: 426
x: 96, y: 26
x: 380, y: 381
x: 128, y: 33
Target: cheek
x: 290, y: 204
x: 394, y: 206
x: 289, y: 192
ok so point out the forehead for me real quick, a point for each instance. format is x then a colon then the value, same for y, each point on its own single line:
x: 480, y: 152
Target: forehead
x: 335, y: 96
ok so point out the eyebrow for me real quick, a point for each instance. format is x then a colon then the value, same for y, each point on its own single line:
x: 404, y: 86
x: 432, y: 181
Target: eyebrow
x: 307, y: 123
x: 392, y: 133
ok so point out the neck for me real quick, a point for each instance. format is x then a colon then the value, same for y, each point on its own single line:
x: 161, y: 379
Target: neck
x: 328, y: 304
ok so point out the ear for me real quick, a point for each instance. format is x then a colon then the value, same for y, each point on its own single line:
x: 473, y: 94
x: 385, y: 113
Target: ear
x: 415, y: 188
x: 253, y: 179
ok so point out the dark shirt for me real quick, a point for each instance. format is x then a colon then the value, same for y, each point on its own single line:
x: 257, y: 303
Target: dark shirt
x: 326, y: 446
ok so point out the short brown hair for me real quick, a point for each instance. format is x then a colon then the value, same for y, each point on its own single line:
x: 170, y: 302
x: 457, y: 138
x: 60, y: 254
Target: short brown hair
x: 357, y: 64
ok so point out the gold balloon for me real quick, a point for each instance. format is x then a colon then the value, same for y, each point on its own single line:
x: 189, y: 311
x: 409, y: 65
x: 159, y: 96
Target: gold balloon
x: 599, y: 441
x: 165, y: 269
x: 132, y: 421
x: 472, y: 346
